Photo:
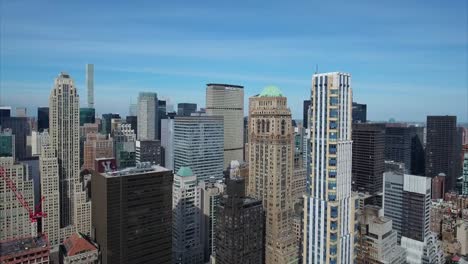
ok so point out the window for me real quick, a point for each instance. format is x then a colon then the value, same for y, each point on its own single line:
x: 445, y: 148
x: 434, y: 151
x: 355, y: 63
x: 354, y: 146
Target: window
x: 283, y: 127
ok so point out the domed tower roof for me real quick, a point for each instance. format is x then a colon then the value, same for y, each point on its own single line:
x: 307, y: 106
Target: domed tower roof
x: 271, y: 91
x: 185, y: 172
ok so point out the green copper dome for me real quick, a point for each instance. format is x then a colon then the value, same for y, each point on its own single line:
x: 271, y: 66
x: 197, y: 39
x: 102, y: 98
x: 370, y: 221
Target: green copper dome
x: 185, y: 172
x: 271, y: 91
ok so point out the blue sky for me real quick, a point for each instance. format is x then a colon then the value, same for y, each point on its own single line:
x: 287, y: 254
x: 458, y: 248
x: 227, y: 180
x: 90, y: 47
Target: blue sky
x: 408, y: 59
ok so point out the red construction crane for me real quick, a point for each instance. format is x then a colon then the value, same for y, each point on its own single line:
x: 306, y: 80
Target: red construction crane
x: 33, y: 214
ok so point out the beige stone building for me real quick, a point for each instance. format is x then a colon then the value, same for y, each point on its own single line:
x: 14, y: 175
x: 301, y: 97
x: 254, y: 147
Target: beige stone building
x: 271, y: 159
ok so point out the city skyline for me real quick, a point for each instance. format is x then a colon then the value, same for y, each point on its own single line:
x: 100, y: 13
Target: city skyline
x: 176, y: 50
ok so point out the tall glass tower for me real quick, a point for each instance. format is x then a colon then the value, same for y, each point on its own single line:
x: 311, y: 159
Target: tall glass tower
x: 329, y: 206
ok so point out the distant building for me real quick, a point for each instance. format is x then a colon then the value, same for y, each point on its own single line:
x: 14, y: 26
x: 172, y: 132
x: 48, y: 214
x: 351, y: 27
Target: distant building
x: 148, y: 151
x: 25, y: 250
x: 14, y: 219
x: 186, y: 227
x: 38, y: 139
x: 199, y: 144
x: 186, y: 109
x: 136, y: 228
x: 368, y: 157
x: 438, y: 186
x: 79, y: 250
x: 21, y: 129
x: 167, y: 142
x: 133, y: 121
x: 359, y: 113
x: 441, y: 150
x: 239, y: 236
x: 227, y: 100
x: 87, y: 115
x: 147, y: 116
x: 161, y: 112
x: 7, y: 143
x: 5, y: 111
x: 124, y: 146
x: 96, y: 146
x: 21, y: 112
x: 305, y: 114
x: 106, y: 123
x: 42, y: 118
x: 465, y: 174
x: 90, y: 84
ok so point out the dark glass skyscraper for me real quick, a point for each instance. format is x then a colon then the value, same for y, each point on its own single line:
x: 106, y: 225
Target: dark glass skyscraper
x: 185, y: 109
x: 359, y: 113
x: 21, y: 129
x: 106, y: 122
x: 441, y: 149
x: 87, y: 115
x: 161, y: 115
x: 368, y: 157
x: 305, y: 116
x: 42, y: 118
x: 133, y: 121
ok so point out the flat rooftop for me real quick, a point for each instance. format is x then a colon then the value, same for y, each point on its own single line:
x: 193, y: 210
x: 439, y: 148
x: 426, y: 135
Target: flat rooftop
x: 141, y: 168
x: 21, y: 246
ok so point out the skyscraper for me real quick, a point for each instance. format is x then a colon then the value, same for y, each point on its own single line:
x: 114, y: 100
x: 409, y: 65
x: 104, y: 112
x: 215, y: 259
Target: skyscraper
x: 239, y: 235
x: 21, y: 112
x: 329, y: 208
x: 64, y: 138
x: 21, y: 129
x: 161, y: 111
x: 148, y: 151
x: 42, y: 118
x: 305, y: 114
x: 441, y: 149
x: 186, y: 109
x: 87, y: 115
x: 147, y: 116
x: 271, y: 160
x: 124, y: 146
x: 228, y: 101
x: 7, y: 143
x: 5, y: 111
x: 167, y: 142
x: 405, y: 144
x: 393, y: 199
x: 359, y: 113
x: 465, y: 174
x: 199, y: 144
x: 186, y: 233
x: 96, y: 146
x: 90, y: 84
x: 132, y: 214
x: 133, y: 121
x: 106, y: 128
x: 368, y: 157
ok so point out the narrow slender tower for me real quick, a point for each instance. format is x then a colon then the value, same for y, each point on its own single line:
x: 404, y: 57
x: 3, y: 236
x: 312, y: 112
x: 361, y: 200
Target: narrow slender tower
x: 329, y: 217
x: 90, y: 84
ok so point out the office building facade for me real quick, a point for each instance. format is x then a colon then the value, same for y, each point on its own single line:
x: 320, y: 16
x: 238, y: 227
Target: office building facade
x: 147, y: 116
x: 148, y: 151
x: 271, y: 159
x: 305, y: 114
x: 132, y: 214
x: 441, y: 149
x: 186, y: 226
x: 186, y: 109
x: 368, y: 157
x: 87, y: 115
x: 106, y: 127
x: 329, y: 208
x: 199, y: 144
x: 359, y: 113
x: 21, y: 129
x: 96, y: 146
x: 7, y: 143
x: 228, y: 101
x: 42, y: 118
x: 167, y: 142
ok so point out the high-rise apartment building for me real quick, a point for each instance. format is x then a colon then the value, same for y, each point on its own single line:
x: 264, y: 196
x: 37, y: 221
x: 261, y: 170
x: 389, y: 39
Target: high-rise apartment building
x: 405, y: 144
x: 393, y: 199
x: 359, y: 113
x: 124, y: 146
x: 240, y: 227
x: 271, y: 164
x: 132, y: 214
x: 147, y: 116
x: 96, y: 146
x: 167, y: 142
x: 368, y: 157
x: 148, y: 151
x: 90, y: 84
x: 441, y: 149
x: 305, y: 114
x: 186, y: 217
x: 199, y: 144
x: 228, y: 101
x: 38, y: 139
x: 329, y: 208
x: 14, y: 219
x: 186, y: 109
x: 42, y: 118
x: 210, y: 194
